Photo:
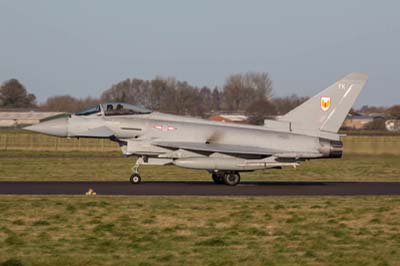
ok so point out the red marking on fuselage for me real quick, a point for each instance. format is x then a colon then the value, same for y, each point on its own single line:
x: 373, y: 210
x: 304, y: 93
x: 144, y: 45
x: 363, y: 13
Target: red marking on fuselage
x: 164, y: 127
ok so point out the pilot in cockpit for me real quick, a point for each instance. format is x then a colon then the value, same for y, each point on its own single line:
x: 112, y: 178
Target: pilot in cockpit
x: 114, y: 109
x: 109, y: 107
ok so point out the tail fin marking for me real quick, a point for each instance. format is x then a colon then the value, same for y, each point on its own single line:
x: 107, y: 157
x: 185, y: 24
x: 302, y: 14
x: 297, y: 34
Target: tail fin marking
x: 327, y: 110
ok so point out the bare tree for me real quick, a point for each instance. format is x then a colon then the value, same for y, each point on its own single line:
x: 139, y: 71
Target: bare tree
x: 216, y: 100
x: 67, y: 103
x: 260, y: 83
x: 162, y: 94
x: 63, y: 103
x: 14, y: 94
x: 234, y: 92
x: 134, y: 91
x: 205, y: 101
x: 119, y: 92
x: 187, y: 100
x: 179, y: 97
x: 241, y: 90
x: 285, y: 104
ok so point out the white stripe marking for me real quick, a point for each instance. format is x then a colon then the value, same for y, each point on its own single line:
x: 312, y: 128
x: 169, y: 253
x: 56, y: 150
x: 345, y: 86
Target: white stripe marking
x: 327, y: 119
x: 347, y: 92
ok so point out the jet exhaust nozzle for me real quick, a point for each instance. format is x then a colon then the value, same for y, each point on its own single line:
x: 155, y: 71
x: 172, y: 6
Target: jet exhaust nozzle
x: 331, y: 148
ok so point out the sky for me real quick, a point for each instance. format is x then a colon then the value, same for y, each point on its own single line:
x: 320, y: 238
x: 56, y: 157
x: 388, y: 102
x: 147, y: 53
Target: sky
x: 83, y: 47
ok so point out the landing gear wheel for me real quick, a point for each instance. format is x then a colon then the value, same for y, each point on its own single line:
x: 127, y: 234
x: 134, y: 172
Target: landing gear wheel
x: 135, y: 179
x: 217, y: 178
x: 231, y: 179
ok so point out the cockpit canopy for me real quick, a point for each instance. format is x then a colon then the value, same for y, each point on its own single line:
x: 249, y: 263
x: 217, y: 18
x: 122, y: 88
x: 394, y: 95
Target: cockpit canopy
x: 90, y: 111
x: 111, y: 109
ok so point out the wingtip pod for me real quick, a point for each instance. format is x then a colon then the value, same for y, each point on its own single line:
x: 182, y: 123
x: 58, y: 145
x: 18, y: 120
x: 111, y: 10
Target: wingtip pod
x: 327, y: 110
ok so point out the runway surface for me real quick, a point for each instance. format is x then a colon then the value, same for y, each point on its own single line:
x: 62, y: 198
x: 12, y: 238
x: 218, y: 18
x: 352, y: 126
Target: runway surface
x: 202, y: 188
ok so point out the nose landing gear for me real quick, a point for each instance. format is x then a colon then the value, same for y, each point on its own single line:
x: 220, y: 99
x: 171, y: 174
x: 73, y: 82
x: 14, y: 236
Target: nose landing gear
x: 135, y: 177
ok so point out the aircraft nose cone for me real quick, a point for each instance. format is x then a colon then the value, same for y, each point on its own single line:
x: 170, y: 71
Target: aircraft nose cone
x: 56, y: 127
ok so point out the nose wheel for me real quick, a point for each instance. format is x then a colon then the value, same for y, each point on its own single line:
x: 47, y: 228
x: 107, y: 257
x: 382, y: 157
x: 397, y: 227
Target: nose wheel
x: 135, y: 179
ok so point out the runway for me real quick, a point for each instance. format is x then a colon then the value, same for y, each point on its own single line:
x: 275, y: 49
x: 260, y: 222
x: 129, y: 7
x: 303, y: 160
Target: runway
x: 165, y: 188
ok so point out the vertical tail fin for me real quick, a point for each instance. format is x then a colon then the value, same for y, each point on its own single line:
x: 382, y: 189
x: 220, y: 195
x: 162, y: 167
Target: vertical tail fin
x: 327, y: 110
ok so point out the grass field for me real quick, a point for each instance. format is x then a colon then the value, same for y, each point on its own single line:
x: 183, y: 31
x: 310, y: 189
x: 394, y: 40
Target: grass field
x: 87, y: 166
x: 252, y: 231
x: 105, y: 230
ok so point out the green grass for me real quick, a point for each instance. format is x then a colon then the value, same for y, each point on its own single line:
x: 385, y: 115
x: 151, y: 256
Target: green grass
x: 373, y: 145
x: 89, y: 166
x: 99, y: 230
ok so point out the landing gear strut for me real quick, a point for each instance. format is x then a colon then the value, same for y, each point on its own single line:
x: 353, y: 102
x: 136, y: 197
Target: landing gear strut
x: 227, y: 178
x: 135, y: 177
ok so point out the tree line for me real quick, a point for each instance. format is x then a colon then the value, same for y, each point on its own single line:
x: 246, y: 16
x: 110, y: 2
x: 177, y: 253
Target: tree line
x: 248, y: 93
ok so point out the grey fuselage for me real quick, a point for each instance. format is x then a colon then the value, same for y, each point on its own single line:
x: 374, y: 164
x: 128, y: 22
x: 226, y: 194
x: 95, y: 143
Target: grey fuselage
x: 137, y: 133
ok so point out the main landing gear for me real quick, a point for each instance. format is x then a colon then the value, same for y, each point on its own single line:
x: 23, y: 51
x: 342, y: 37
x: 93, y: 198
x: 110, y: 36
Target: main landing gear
x: 135, y: 177
x: 230, y: 178
x: 227, y: 178
x: 217, y: 178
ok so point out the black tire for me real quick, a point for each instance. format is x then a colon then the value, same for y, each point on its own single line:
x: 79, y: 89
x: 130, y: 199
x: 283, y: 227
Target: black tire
x: 217, y: 178
x: 135, y: 179
x: 231, y: 179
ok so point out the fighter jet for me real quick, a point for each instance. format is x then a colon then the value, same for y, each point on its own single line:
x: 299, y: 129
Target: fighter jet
x: 309, y: 131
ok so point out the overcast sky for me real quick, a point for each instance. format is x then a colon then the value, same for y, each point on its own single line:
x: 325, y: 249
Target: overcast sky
x: 83, y: 47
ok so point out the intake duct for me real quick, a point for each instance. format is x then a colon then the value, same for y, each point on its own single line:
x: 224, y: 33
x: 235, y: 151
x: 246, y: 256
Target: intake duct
x: 331, y: 148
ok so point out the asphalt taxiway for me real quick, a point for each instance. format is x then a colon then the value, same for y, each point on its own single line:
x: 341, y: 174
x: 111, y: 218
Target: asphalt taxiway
x: 164, y: 188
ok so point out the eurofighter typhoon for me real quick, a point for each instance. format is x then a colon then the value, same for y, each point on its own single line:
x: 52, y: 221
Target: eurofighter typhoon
x: 309, y: 131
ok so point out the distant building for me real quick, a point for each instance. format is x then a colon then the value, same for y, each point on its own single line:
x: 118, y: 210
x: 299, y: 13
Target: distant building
x: 230, y: 118
x: 359, y: 122
x: 393, y: 125
x: 15, y: 119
